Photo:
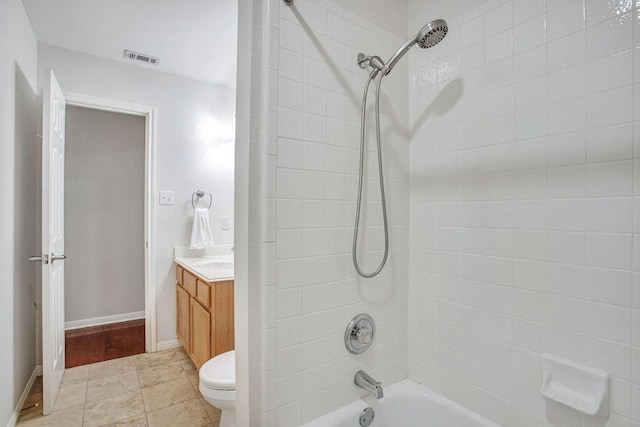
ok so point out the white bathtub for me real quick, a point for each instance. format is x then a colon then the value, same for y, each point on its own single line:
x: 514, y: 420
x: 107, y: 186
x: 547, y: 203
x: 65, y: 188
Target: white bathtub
x: 405, y: 404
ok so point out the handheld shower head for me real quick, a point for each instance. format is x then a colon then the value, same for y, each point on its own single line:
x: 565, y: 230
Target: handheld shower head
x: 429, y: 36
x: 432, y: 33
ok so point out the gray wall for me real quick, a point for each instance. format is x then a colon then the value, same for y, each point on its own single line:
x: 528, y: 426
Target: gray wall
x: 19, y: 195
x: 104, y: 213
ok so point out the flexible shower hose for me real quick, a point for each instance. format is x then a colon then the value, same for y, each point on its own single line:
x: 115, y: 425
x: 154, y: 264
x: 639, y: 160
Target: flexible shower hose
x: 372, y: 75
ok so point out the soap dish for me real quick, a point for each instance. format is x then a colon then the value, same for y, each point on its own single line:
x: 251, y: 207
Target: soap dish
x: 580, y: 387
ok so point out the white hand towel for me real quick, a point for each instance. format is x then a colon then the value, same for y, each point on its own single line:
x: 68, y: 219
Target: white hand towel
x: 201, y: 231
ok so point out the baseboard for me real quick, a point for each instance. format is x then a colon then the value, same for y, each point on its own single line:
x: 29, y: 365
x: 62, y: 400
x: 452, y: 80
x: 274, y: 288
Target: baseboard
x: 16, y: 413
x: 166, y: 345
x: 105, y: 320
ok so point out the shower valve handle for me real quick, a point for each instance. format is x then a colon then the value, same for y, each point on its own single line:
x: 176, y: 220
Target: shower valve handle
x: 359, y: 334
x: 363, y: 335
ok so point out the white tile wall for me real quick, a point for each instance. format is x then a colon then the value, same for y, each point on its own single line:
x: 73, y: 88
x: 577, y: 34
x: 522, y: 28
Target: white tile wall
x: 309, y: 163
x: 519, y: 222
x: 524, y: 222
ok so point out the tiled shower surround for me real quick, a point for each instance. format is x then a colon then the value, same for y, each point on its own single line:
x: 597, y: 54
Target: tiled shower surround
x: 523, y: 228
x: 310, y: 165
x: 511, y: 163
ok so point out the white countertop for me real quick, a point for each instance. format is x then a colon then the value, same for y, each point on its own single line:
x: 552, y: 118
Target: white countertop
x: 212, y: 264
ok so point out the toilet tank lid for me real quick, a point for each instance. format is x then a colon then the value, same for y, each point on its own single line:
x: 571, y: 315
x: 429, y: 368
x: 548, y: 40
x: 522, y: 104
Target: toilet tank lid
x: 220, y: 372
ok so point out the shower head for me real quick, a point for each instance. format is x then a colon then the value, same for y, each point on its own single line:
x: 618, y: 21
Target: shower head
x: 432, y: 33
x: 429, y: 36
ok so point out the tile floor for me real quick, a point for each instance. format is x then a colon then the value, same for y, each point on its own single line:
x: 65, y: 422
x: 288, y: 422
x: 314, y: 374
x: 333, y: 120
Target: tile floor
x: 151, y: 389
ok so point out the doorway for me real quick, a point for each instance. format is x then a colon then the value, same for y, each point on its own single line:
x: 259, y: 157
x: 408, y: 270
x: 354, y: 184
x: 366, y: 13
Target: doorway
x: 104, y: 235
x: 110, y: 223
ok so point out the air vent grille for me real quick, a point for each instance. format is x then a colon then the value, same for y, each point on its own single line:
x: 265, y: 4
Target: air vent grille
x: 136, y: 56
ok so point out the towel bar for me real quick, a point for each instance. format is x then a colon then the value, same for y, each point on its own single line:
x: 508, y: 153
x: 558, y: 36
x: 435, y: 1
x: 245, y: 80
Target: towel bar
x: 199, y: 194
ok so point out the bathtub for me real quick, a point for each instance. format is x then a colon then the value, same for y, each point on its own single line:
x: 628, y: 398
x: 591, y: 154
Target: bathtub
x: 405, y: 404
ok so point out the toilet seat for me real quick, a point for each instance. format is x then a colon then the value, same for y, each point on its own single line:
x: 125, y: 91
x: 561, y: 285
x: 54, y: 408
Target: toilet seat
x: 219, y: 373
x: 222, y: 397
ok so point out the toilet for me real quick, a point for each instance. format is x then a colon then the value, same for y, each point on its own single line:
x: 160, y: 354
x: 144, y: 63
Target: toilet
x: 218, y: 386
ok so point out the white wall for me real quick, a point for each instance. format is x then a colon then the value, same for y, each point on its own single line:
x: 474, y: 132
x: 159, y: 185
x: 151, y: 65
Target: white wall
x: 104, y: 213
x: 193, y: 117
x: 18, y: 188
x: 524, y: 203
x: 246, y: 288
x: 308, y: 163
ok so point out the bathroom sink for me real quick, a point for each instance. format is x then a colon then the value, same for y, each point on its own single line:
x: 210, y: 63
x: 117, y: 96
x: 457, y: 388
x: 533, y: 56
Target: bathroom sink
x: 217, y: 264
x: 215, y: 267
x: 209, y: 268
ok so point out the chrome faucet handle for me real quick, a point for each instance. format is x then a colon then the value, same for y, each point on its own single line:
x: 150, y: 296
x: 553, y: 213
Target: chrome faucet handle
x: 359, y: 334
x: 363, y: 335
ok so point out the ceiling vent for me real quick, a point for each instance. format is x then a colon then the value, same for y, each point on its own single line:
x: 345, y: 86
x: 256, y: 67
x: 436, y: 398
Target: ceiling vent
x: 141, y: 57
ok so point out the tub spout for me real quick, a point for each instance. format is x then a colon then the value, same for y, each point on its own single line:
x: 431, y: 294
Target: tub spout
x: 364, y: 380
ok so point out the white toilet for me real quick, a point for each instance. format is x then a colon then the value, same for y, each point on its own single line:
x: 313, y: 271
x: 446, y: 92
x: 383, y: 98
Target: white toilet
x: 218, y: 386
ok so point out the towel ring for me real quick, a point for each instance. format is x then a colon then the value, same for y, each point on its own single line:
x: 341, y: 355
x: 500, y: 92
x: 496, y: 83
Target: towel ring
x: 199, y: 194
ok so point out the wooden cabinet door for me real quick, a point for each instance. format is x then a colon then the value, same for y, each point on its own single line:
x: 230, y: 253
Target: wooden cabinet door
x: 183, y: 323
x: 223, y: 331
x: 200, y: 334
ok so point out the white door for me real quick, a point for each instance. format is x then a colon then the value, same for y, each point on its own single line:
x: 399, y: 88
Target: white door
x: 52, y: 240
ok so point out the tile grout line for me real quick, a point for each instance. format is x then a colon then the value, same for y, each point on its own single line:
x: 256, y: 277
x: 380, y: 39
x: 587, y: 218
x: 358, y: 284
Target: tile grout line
x: 144, y: 410
x: 86, y: 390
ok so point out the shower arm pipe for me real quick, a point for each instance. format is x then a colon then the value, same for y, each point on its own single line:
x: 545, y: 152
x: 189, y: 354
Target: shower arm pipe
x: 372, y: 76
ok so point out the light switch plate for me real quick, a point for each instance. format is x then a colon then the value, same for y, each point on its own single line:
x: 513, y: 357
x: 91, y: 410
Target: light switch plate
x: 167, y: 197
x: 224, y: 222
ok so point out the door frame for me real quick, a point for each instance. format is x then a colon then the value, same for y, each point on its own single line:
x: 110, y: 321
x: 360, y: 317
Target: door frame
x: 150, y: 114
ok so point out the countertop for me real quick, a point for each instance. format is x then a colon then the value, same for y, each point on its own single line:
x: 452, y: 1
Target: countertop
x: 212, y: 264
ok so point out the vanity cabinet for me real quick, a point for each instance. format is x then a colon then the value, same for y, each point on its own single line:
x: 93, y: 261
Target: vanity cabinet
x: 204, y: 315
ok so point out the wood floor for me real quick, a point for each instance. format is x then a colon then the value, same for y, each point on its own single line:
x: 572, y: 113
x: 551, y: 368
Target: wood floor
x: 100, y: 343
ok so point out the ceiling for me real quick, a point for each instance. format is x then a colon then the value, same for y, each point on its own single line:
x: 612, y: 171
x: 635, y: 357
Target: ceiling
x: 194, y: 38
